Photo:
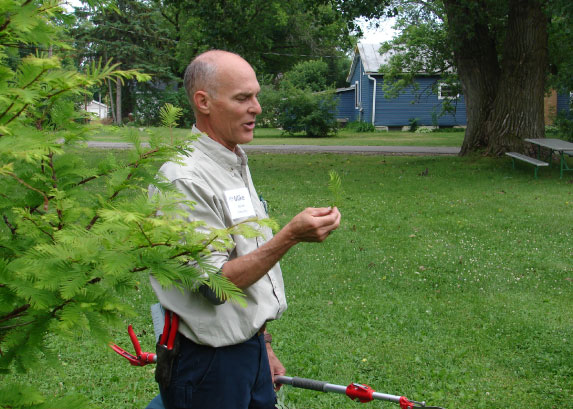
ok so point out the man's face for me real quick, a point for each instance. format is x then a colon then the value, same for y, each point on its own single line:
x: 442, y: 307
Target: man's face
x: 234, y: 103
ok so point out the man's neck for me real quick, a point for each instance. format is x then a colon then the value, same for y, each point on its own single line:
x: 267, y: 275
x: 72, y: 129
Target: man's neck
x: 207, y: 130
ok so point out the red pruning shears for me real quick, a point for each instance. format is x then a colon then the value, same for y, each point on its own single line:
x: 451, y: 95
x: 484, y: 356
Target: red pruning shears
x: 166, y: 340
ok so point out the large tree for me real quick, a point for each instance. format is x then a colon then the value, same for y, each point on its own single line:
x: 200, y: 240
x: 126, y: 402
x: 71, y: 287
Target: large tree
x: 500, y: 52
x: 498, y: 49
x: 133, y: 34
x: 160, y: 37
x: 272, y: 35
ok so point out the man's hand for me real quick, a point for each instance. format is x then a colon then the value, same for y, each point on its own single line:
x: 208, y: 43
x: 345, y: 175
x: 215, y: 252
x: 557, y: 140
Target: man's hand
x: 277, y: 367
x: 313, y: 224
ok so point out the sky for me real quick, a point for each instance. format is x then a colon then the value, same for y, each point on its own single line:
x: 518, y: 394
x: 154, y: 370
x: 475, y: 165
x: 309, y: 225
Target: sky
x: 377, y: 35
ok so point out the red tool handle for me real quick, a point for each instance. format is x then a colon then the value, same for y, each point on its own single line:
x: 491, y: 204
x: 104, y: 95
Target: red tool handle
x: 140, y: 358
x: 357, y: 391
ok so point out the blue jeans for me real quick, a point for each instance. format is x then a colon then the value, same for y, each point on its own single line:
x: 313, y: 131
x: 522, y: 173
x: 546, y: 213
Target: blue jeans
x: 232, y: 377
x: 156, y: 403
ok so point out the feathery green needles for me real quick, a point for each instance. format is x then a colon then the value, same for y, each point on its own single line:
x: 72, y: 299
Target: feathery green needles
x: 335, y: 187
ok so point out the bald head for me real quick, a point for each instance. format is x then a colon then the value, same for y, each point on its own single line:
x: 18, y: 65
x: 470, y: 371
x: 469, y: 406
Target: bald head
x: 201, y: 74
x: 222, y: 88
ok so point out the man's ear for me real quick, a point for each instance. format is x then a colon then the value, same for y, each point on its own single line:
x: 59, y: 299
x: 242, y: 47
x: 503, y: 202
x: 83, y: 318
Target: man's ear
x: 202, y: 101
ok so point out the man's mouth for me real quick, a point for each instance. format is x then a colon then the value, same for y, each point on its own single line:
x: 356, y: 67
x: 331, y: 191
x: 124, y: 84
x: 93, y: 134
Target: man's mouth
x: 250, y: 125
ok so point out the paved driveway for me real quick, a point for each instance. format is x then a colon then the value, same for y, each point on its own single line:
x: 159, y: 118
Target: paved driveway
x: 361, y: 150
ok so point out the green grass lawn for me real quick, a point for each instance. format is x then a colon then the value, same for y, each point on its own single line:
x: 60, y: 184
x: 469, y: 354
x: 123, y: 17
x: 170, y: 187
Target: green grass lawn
x: 266, y: 136
x: 455, y: 288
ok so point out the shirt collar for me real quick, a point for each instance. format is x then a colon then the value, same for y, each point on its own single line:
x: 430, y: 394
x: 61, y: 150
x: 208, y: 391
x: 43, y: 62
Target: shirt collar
x: 218, y: 152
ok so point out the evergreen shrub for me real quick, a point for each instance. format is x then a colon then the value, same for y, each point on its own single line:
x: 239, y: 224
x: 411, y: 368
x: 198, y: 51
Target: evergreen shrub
x: 73, y: 234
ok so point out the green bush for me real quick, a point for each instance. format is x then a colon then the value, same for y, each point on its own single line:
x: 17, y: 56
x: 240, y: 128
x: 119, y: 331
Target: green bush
x: 150, y: 99
x: 564, y: 124
x: 360, y: 126
x: 309, y: 75
x: 452, y: 129
x: 414, y: 123
x: 308, y: 112
x: 301, y: 102
x: 269, y: 98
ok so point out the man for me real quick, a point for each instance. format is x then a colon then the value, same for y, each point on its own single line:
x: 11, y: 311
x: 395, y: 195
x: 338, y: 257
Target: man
x: 226, y: 360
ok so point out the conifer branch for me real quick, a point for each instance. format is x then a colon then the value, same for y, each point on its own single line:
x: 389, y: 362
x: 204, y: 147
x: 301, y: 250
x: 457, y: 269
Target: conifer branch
x: 18, y: 114
x: 36, y: 78
x: 6, y: 23
x: 86, y: 180
x: 135, y: 165
x: 113, y: 196
x: 55, y: 186
x: 59, y: 92
x: 16, y: 312
x: 22, y: 182
x: 60, y: 307
x: 146, y: 155
x: 8, y: 109
x: 10, y: 225
x: 92, y: 222
x: 39, y: 228
x: 22, y: 324
x: 145, y: 235
x: 335, y: 187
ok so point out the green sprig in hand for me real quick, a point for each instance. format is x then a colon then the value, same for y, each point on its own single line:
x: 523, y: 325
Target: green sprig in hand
x: 335, y: 187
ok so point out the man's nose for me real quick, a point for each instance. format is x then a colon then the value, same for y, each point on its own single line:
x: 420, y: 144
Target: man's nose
x: 255, y: 108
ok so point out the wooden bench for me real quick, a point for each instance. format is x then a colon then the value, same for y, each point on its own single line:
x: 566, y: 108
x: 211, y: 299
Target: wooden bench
x: 519, y: 156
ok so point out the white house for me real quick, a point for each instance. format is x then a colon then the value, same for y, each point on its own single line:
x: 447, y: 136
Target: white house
x: 97, y: 108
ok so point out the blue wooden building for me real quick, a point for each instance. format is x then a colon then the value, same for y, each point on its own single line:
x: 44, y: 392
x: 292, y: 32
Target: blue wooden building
x: 563, y: 103
x: 364, y: 99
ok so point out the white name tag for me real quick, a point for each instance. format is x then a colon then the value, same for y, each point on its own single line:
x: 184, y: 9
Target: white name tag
x: 239, y: 203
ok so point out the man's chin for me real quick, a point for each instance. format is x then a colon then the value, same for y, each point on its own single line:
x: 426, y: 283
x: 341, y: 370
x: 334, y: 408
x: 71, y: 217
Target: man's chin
x: 247, y: 137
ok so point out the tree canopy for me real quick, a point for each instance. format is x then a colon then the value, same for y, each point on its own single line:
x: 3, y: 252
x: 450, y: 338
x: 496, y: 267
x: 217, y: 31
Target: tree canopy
x: 505, y: 54
x: 160, y: 37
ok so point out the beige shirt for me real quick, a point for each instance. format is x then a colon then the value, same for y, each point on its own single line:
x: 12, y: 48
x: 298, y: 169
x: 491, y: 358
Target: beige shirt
x: 210, y: 177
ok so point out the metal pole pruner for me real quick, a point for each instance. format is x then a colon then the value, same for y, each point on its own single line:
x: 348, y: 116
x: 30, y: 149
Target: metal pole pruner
x: 355, y: 391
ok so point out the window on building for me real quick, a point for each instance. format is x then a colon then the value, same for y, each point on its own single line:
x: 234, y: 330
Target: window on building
x: 447, y: 91
x: 356, y: 94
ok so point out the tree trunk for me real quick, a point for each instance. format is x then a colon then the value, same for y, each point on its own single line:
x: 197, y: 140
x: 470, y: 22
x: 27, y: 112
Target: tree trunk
x: 111, y: 101
x: 518, y: 107
x: 118, y: 117
x: 504, y: 101
x: 475, y: 57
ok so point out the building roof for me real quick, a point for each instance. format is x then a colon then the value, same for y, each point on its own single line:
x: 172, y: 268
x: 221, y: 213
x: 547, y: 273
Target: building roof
x: 371, y: 58
x: 351, y: 88
x: 96, y: 103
